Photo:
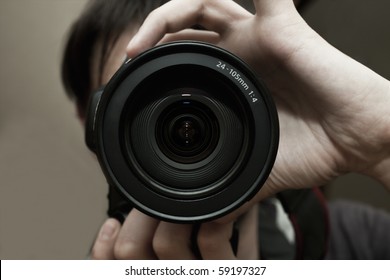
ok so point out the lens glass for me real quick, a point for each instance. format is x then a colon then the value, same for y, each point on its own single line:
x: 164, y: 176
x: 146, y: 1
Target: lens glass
x: 187, y: 131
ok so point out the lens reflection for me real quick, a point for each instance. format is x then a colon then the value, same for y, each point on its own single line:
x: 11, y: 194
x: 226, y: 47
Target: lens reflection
x: 187, y: 131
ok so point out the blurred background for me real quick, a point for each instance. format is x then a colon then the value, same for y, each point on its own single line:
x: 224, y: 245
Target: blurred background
x: 52, y: 193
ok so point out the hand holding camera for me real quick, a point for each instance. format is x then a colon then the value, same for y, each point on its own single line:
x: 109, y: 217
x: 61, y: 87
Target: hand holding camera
x: 332, y: 110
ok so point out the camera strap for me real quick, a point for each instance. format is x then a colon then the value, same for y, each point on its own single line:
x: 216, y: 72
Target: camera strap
x: 308, y: 213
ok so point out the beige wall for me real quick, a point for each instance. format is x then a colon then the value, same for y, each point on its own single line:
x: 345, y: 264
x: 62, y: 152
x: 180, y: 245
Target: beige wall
x: 52, y: 194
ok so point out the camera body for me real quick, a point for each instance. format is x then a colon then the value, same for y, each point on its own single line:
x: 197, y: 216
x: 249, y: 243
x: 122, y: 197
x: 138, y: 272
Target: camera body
x: 184, y: 132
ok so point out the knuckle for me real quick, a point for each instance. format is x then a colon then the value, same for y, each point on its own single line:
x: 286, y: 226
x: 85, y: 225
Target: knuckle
x: 126, y: 250
x: 97, y: 254
x: 206, y: 241
x: 163, y: 246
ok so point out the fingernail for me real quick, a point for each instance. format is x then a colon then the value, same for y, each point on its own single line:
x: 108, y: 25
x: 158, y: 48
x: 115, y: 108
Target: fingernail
x: 108, y: 230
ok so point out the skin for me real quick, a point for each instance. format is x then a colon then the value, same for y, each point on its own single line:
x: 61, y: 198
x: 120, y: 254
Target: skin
x: 332, y: 112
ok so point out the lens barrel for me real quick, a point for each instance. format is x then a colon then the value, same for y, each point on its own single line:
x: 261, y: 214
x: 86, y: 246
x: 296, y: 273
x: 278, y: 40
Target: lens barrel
x: 186, y: 132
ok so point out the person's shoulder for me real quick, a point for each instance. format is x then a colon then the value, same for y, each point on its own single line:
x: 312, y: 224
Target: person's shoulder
x: 349, y: 208
x: 358, y: 231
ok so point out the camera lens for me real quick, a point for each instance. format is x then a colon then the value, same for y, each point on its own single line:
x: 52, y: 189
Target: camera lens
x: 178, y: 142
x: 187, y: 132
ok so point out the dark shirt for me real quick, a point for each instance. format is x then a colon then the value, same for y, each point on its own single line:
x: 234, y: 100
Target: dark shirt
x: 358, y: 232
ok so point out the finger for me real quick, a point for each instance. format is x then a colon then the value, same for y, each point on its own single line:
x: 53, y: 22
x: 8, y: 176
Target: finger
x: 248, y: 241
x: 173, y: 241
x: 193, y: 35
x: 136, y: 237
x: 214, y: 241
x: 178, y: 15
x: 103, y: 248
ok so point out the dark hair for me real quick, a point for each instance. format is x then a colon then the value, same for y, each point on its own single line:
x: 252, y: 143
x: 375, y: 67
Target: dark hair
x: 101, y: 21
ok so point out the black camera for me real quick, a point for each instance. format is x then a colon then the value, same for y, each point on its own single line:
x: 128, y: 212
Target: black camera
x: 184, y: 132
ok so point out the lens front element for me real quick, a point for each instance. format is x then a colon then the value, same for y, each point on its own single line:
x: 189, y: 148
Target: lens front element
x: 186, y: 132
x: 178, y: 141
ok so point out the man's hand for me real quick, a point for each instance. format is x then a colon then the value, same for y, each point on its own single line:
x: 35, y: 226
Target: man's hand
x: 143, y: 237
x: 333, y: 111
